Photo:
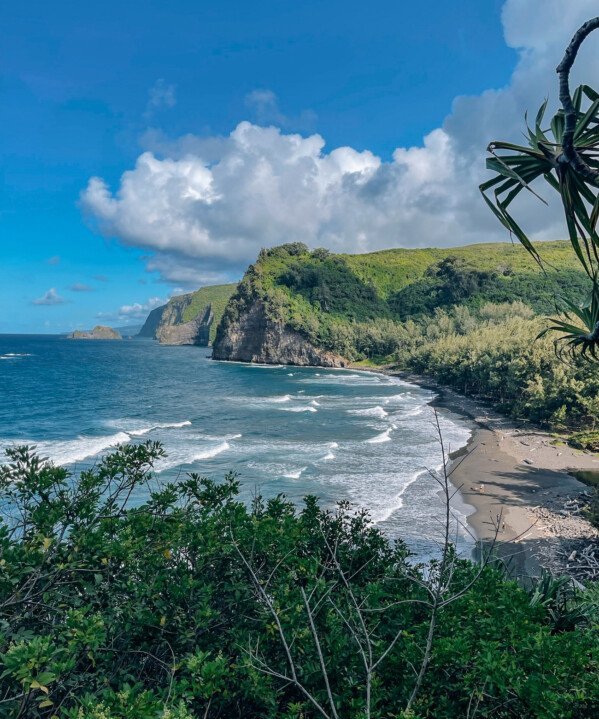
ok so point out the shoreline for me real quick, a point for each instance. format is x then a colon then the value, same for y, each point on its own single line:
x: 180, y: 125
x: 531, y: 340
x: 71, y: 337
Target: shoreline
x: 517, y: 478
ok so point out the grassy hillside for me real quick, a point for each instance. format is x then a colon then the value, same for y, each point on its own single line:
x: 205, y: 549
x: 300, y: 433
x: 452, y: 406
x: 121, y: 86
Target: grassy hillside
x: 215, y: 295
x: 354, y: 304
x: 391, y: 270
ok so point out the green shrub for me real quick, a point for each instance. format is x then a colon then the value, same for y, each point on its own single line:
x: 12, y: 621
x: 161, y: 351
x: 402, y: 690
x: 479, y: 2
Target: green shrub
x: 112, y: 612
x: 586, y: 440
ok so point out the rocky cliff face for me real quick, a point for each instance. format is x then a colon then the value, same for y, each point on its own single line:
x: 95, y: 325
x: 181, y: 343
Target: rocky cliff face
x: 189, y: 319
x: 194, y: 332
x: 253, y: 337
x: 99, y: 332
x: 152, y: 323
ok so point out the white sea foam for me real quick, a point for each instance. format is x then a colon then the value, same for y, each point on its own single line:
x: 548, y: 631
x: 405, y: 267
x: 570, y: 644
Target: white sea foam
x: 262, y: 365
x: 380, y: 438
x: 276, y: 400
x: 295, y: 475
x: 314, y: 403
x: 298, y: 409
x: 341, y: 378
x: 328, y: 455
x: 15, y: 355
x: 377, y: 411
x: 333, y: 445
x: 157, y: 425
x: 190, y: 438
x: 64, y: 452
x: 397, y: 502
x: 189, y: 454
x: 213, y: 452
x: 408, y: 397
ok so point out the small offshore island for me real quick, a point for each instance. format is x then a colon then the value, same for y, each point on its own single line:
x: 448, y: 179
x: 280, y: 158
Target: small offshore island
x: 99, y: 332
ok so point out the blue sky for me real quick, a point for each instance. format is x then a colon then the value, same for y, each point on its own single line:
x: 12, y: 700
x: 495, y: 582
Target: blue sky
x: 86, y: 88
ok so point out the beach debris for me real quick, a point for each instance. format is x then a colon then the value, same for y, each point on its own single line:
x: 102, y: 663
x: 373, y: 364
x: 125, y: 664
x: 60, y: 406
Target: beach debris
x: 583, y: 564
x: 568, y: 543
x: 527, y: 461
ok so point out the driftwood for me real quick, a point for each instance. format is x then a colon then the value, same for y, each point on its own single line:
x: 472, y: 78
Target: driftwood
x: 583, y: 564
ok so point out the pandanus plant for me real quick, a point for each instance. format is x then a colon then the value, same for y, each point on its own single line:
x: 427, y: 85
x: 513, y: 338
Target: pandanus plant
x: 566, y: 155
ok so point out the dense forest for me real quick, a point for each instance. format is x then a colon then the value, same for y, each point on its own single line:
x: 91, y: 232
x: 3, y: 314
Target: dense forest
x: 195, y: 605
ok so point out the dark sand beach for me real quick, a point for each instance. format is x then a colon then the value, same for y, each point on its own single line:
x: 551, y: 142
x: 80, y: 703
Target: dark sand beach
x: 518, y: 480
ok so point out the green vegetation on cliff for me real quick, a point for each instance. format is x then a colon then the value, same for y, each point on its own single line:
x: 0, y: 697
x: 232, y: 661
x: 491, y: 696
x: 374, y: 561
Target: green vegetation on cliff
x: 467, y: 316
x: 353, y: 304
x: 99, y: 332
x: 185, y: 308
x: 216, y: 296
x: 194, y: 605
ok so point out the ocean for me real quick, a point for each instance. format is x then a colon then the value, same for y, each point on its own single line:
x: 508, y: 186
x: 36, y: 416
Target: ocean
x: 340, y: 434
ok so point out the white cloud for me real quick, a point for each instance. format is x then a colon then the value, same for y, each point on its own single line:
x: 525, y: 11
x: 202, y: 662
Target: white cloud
x: 205, y: 206
x: 265, y: 105
x: 137, y: 311
x: 161, y: 95
x: 51, y: 297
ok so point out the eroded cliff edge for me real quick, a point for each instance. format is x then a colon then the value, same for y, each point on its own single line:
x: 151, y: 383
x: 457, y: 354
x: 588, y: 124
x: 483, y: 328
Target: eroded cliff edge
x: 255, y: 327
x: 254, y: 337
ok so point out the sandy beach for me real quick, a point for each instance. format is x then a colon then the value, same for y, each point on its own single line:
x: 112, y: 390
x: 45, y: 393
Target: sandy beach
x: 517, y: 479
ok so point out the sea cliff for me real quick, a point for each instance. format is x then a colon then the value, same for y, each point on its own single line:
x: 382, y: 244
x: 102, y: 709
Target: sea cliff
x: 254, y: 336
x: 188, y: 319
x: 296, y: 306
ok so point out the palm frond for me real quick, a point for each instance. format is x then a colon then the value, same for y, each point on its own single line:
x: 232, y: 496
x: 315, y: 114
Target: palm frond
x: 517, y: 167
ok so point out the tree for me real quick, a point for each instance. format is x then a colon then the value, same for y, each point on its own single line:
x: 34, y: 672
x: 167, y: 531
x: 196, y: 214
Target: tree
x: 193, y: 605
x: 565, y: 155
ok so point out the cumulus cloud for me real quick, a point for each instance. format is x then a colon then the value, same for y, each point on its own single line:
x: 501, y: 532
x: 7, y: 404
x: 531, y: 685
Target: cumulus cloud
x: 205, y: 206
x: 51, y: 297
x: 80, y: 287
x: 134, y: 311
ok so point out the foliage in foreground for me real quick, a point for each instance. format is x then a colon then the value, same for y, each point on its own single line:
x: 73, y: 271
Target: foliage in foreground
x: 156, y: 611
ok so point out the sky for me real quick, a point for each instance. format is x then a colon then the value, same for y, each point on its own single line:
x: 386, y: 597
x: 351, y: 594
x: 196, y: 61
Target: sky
x: 148, y: 148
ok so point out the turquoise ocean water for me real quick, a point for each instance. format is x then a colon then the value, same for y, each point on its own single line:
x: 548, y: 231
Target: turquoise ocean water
x: 342, y: 435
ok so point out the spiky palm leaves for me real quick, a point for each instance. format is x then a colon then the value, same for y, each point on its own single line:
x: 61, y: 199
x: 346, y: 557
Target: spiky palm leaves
x: 580, y: 338
x: 566, y: 156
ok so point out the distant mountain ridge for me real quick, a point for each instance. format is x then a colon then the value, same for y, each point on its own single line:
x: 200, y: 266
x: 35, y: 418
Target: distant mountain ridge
x: 294, y: 306
x: 189, y: 319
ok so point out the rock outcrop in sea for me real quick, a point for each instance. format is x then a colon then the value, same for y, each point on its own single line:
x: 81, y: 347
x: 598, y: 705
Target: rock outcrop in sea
x: 99, y: 332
